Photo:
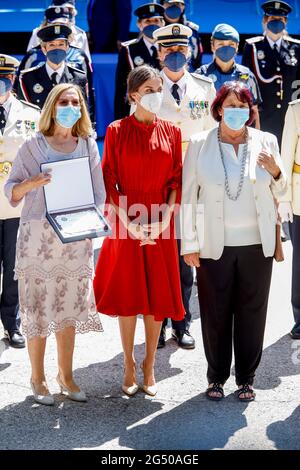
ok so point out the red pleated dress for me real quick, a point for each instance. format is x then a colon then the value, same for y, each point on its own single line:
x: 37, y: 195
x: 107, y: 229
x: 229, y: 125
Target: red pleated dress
x: 141, y: 165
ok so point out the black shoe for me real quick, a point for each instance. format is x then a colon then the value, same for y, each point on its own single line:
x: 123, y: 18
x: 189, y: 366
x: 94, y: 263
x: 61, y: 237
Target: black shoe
x: 184, y: 339
x: 295, y: 333
x: 162, y: 339
x: 15, y: 339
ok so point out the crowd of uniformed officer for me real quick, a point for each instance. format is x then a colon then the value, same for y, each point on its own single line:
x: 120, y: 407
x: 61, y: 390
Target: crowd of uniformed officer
x: 58, y: 53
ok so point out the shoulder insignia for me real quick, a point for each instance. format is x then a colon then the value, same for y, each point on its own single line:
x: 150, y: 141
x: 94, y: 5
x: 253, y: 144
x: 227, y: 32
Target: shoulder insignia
x: 255, y: 39
x: 129, y: 43
x: 34, y: 106
x: 290, y: 39
x: 192, y: 25
x: 198, y: 76
x: 36, y: 67
x: 71, y: 66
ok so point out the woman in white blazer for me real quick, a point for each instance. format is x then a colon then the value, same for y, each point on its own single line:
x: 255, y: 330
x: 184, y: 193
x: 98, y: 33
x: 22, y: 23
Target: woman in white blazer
x: 289, y: 207
x: 230, y: 178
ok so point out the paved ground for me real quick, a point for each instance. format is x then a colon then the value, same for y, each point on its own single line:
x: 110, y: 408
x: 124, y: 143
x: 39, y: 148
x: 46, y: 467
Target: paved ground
x: 179, y: 417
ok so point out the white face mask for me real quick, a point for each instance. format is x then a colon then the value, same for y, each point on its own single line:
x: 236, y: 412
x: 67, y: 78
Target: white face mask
x: 152, y: 102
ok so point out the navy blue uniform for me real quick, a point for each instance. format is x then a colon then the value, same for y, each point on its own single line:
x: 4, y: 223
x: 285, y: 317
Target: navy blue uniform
x: 109, y: 22
x: 35, y: 84
x: 238, y: 73
x: 276, y: 74
x: 75, y: 57
x: 132, y: 54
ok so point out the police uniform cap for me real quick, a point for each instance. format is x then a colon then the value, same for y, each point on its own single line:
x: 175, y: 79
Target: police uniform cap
x: 8, y: 64
x: 174, y: 34
x: 149, y: 10
x: 54, y: 13
x: 53, y: 32
x: 225, y: 32
x: 65, y: 3
x: 272, y: 8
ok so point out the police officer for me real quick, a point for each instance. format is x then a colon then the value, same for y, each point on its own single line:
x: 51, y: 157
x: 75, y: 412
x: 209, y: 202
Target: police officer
x: 114, y: 29
x: 75, y: 56
x: 275, y: 60
x: 187, y: 98
x: 224, y: 45
x: 175, y: 13
x: 79, y: 35
x: 36, y: 83
x: 18, y: 120
x: 142, y: 50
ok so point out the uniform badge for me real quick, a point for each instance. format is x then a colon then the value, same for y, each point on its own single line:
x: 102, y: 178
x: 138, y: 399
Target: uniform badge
x: 32, y: 125
x: 192, y: 106
x: 138, y: 60
x: 19, y: 124
x: 57, y: 30
x: 213, y: 77
x: 27, y: 125
x: 38, y: 88
x: 57, y: 10
x: 2, y: 61
x: 277, y: 5
x: 261, y: 55
x: 151, y: 8
x: 244, y: 76
x: 176, y: 30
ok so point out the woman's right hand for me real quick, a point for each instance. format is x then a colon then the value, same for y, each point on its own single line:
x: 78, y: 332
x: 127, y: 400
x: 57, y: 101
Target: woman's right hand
x: 42, y: 179
x: 192, y: 259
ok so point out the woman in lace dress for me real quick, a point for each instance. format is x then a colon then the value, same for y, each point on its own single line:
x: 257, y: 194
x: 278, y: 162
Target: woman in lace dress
x: 55, y: 279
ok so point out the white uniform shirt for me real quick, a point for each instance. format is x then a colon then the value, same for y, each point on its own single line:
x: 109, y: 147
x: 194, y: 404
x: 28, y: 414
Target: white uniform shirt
x: 21, y: 121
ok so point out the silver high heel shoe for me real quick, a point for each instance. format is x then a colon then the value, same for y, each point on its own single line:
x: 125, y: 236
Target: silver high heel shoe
x: 75, y: 396
x: 47, y: 400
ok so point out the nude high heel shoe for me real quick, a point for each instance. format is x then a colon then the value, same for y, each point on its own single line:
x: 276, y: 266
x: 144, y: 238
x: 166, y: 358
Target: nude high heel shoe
x: 47, y: 400
x: 132, y: 389
x: 75, y: 396
x: 150, y: 390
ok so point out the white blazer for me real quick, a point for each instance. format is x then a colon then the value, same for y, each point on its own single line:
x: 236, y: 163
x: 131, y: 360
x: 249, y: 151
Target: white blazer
x: 203, y: 193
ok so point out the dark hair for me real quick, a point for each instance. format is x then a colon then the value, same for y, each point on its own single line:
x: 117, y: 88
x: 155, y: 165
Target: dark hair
x: 138, y: 76
x: 241, y: 92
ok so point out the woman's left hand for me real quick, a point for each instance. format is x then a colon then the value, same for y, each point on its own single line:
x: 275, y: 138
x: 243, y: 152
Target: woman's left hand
x: 267, y: 161
x: 157, y: 228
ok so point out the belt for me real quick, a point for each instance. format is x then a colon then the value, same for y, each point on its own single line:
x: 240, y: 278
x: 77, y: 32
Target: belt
x: 296, y: 168
x: 185, y: 146
x: 5, y: 168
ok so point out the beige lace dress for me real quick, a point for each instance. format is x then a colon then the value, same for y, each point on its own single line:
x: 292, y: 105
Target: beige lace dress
x: 55, y: 279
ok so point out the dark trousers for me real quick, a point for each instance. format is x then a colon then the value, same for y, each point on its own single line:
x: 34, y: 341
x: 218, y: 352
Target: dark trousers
x: 233, y: 297
x: 295, y: 237
x: 9, y: 311
x: 186, y: 281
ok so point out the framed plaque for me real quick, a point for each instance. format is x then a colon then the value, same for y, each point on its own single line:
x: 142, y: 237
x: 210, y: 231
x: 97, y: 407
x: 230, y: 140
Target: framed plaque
x: 70, y: 201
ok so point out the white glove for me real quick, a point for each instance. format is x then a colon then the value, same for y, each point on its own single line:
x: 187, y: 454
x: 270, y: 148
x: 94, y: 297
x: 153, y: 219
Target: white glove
x: 285, y: 211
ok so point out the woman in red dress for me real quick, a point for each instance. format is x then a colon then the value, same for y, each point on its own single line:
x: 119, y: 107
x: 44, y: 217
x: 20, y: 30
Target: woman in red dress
x: 137, y: 270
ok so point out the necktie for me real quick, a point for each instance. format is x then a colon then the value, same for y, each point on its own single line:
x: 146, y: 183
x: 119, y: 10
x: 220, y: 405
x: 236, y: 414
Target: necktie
x: 154, y: 52
x: 175, y: 93
x: 2, y: 119
x: 54, y: 78
x: 276, y: 51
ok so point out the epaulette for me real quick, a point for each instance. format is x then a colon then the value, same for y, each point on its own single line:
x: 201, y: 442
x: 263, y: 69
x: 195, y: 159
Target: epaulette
x: 31, y: 105
x: 192, y: 25
x: 32, y: 68
x: 255, y: 39
x: 128, y: 43
x: 201, y: 77
x: 71, y: 66
x: 243, y: 69
x: 294, y: 102
x: 79, y: 29
x: 290, y: 39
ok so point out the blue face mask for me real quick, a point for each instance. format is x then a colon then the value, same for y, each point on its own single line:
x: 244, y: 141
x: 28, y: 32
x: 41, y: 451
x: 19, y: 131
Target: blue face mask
x: 236, y: 118
x: 225, y: 53
x: 173, y: 12
x: 149, y: 30
x: 56, y: 56
x: 276, y: 26
x: 175, y: 61
x: 5, y: 85
x: 67, y: 116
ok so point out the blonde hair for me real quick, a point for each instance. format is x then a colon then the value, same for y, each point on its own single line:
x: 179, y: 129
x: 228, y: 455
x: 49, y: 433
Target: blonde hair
x: 82, y: 128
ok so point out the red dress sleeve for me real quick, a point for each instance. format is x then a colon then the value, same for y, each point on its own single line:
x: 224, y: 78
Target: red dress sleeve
x: 176, y: 180
x: 110, y: 167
